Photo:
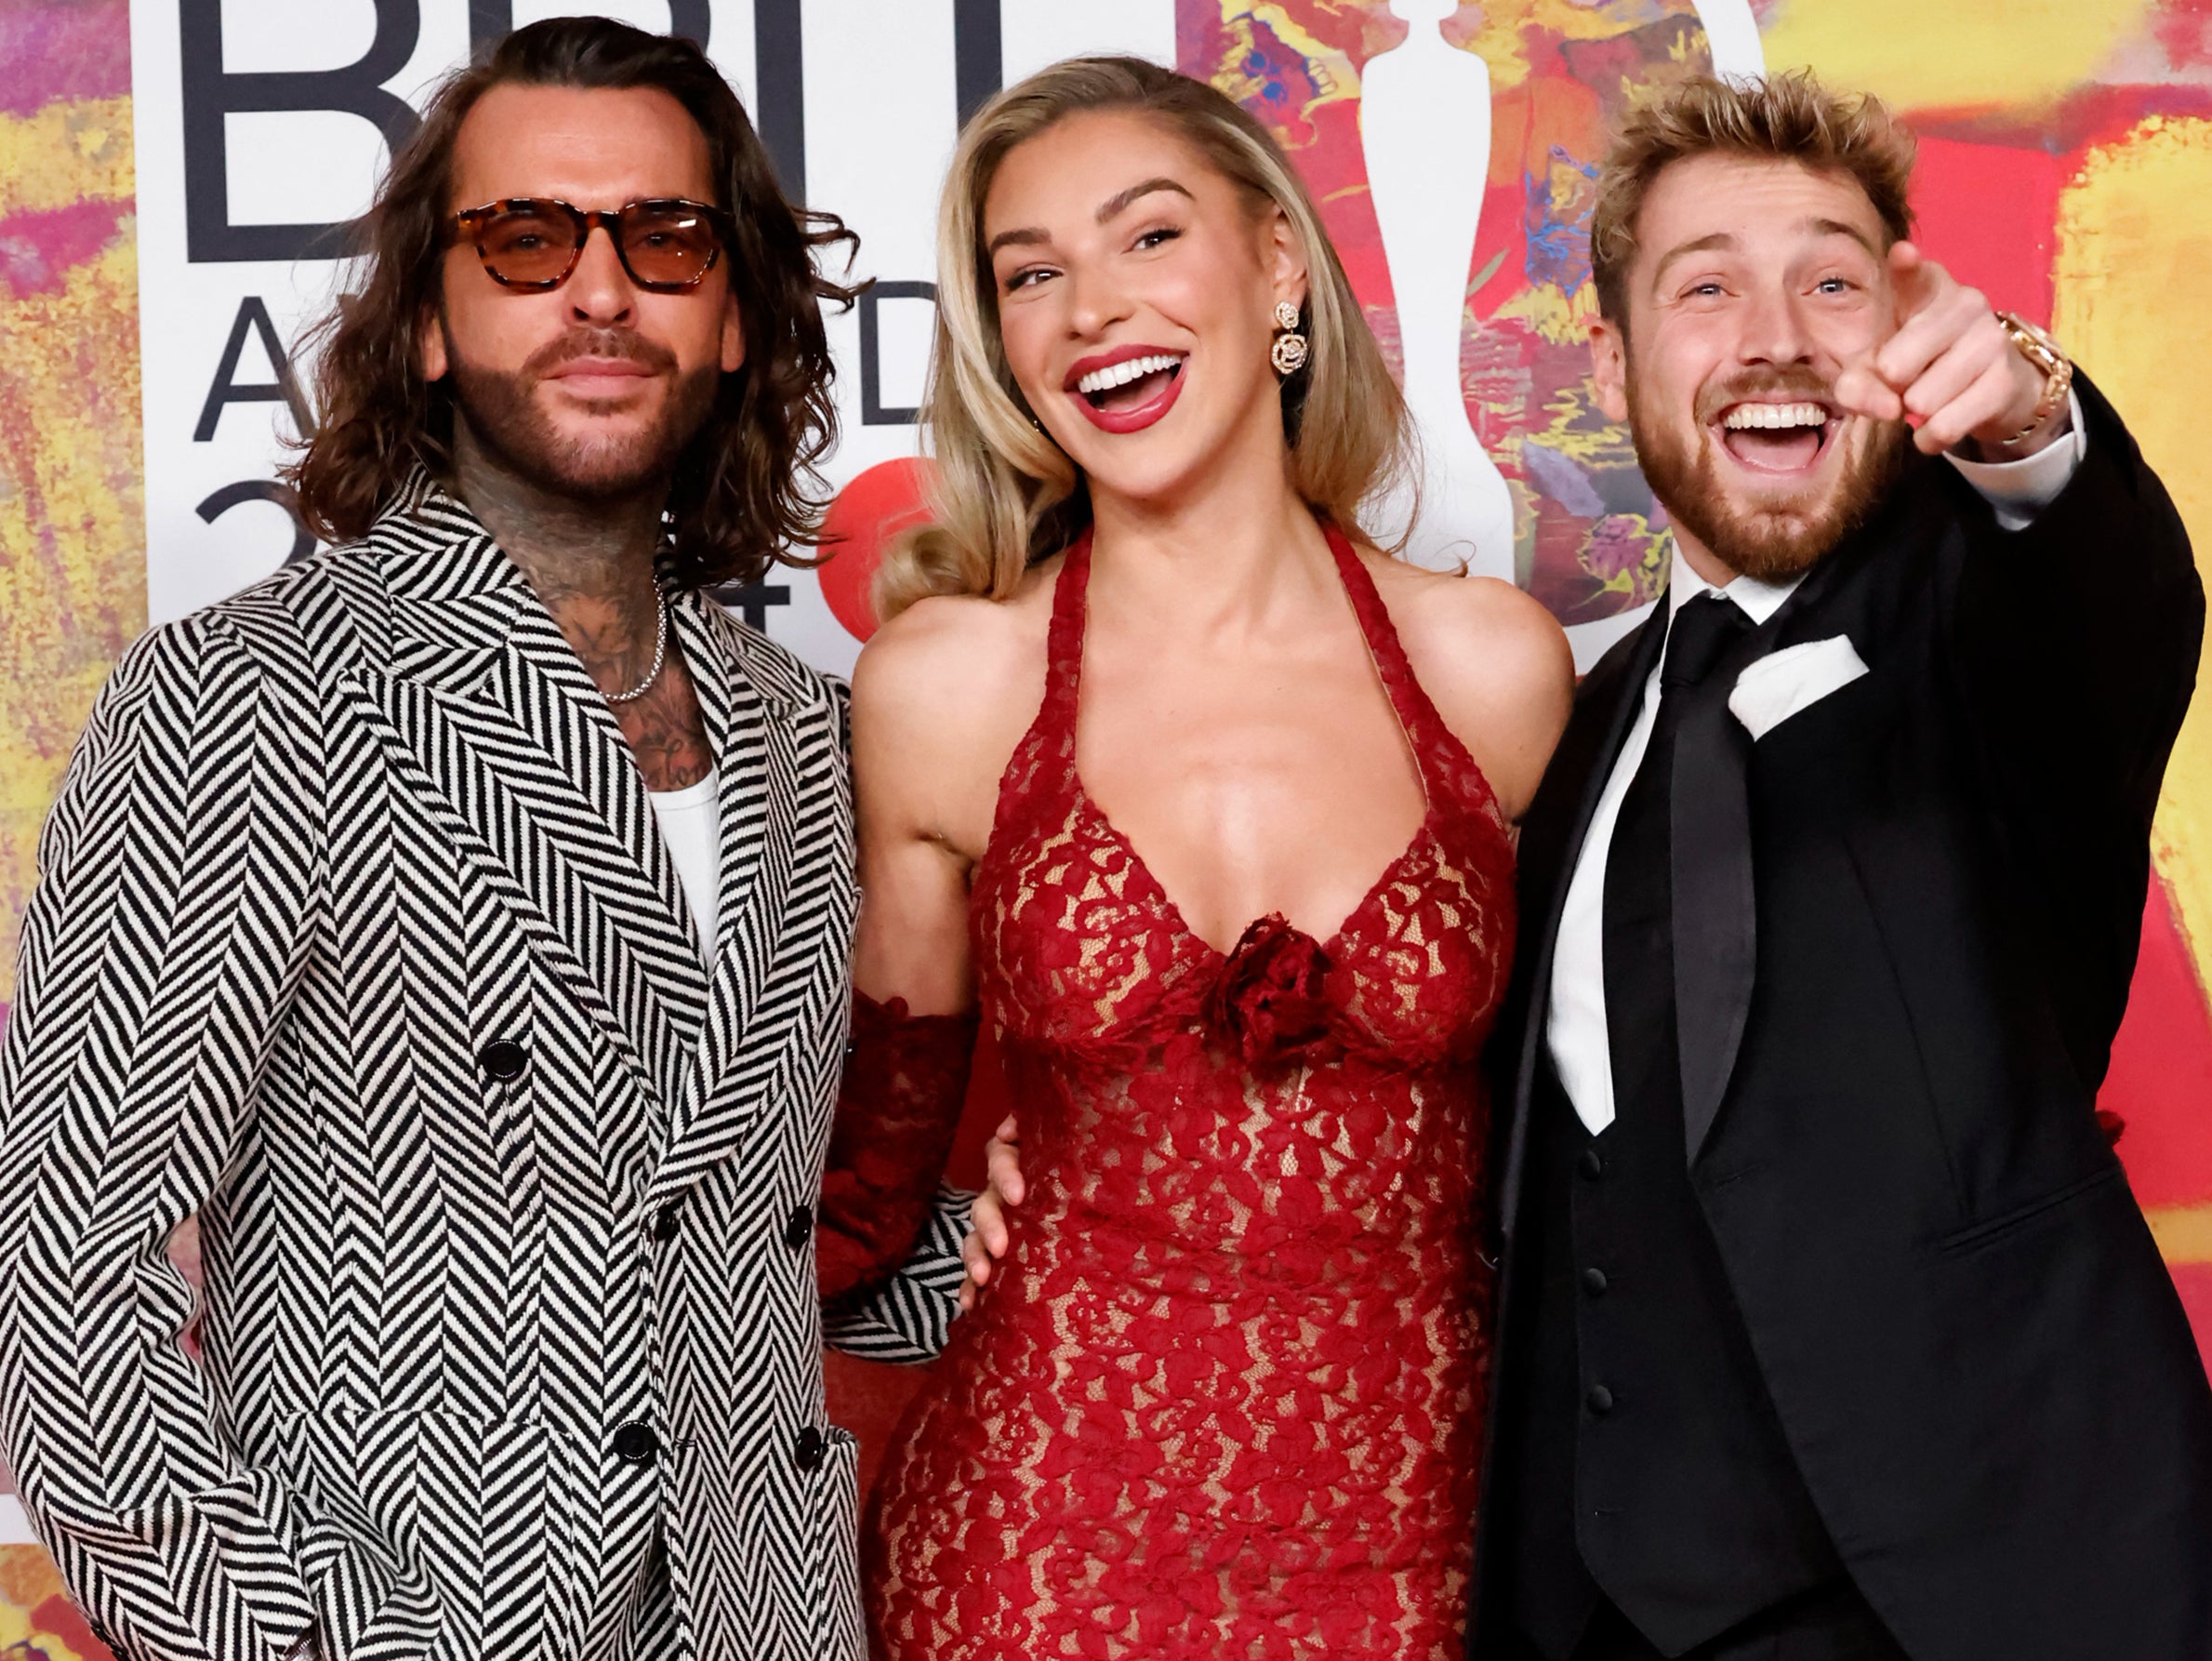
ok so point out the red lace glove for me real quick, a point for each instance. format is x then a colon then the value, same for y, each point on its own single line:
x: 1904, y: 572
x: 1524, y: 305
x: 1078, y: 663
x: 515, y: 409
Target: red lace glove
x: 906, y: 1081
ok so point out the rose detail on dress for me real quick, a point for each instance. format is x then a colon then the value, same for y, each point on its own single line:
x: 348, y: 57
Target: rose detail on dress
x: 1268, y: 1000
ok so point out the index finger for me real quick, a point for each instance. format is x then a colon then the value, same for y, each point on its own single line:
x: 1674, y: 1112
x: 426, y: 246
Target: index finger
x: 1914, y: 279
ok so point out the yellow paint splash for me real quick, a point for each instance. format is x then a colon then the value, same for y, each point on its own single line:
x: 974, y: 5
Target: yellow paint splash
x: 72, y: 513
x: 1501, y: 35
x: 65, y: 153
x: 1961, y: 54
x: 2134, y: 288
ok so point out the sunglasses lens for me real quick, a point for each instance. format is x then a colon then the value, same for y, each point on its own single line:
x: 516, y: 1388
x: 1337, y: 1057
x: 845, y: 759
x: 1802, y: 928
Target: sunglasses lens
x: 529, y: 245
x: 667, y: 244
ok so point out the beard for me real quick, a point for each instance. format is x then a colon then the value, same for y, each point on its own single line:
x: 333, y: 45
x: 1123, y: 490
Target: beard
x: 505, y: 417
x: 1766, y: 543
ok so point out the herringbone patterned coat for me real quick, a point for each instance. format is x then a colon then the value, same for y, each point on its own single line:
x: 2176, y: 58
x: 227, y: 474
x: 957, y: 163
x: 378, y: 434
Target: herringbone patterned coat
x: 354, y: 936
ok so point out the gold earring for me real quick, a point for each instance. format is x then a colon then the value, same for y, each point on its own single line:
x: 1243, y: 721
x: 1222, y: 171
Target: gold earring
x: 1288, y: 352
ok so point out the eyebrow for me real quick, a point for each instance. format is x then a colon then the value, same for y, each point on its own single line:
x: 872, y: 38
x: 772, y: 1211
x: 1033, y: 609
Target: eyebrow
x: 1029, y: 235
x: 1722, y: 239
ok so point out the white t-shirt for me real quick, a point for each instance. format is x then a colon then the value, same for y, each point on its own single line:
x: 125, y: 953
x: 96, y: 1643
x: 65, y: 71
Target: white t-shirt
x: 691, y: 825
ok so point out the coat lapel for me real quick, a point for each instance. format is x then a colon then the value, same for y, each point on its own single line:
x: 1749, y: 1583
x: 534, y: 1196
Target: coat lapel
x: 1552, y: 836
x: 785, y: 892
x: 487, y: 708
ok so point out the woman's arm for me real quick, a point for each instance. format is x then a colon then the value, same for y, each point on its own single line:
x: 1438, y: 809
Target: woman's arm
x: 929, y: 717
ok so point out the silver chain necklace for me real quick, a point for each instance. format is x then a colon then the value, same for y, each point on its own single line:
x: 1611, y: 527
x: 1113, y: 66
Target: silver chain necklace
x: 660, y: 653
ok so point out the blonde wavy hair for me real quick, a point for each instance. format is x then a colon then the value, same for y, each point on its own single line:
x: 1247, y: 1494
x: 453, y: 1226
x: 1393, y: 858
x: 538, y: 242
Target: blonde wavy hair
x: 1005, y: 495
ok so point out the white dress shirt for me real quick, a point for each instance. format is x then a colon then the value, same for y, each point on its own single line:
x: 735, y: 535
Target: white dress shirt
x: 1575, y: 1023
x: 691, y: 825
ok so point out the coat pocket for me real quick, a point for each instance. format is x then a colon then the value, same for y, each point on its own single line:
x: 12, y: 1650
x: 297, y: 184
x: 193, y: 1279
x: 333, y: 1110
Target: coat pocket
x: 2044, y: 1208
x: 422, y: 1514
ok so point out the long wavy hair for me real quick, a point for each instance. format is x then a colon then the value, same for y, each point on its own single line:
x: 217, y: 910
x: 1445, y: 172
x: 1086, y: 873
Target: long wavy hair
x: 1005, y: 495
x: 747, y: 491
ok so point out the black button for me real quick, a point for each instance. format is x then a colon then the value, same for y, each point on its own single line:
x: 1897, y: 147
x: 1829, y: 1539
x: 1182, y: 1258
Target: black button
x: 636, y: 1443
x: 800, y: 1227
x: 811, y: 1449
x: 1592, y: 1163
x: 1594, y: 1283
x: 664, y: 1226
x: 851, y: 1049
x: 1600, y: 1399
x: 504, y: 1060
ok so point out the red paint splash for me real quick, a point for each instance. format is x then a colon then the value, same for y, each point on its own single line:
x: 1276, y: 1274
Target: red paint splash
x: 2184, y: 28
x: 2161, y: 1074
x: 38, y: 246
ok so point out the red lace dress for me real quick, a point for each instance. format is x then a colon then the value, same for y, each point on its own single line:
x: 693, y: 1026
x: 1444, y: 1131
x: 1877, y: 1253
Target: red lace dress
x: 1225, y: 1399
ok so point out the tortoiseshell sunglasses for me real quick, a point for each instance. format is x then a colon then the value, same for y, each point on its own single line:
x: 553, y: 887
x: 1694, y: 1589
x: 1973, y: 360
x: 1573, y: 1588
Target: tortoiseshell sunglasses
x: 533, y: 243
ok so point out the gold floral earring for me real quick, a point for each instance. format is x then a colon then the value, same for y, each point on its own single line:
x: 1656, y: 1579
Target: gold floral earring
x: 1288, y: 351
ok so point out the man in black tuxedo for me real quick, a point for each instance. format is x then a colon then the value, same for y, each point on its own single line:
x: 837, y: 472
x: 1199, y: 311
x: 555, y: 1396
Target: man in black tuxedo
x: 1831, y: 1328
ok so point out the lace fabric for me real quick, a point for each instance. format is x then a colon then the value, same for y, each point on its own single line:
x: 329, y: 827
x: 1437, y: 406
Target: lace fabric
x: 1224, y: 1397
x: 898, y: 1106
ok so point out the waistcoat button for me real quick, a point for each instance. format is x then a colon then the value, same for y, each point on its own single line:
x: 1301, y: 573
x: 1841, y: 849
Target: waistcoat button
x: 636, y: 1443
x: 800, y: 1227
x: 1600, y: 1399
x: 665, y: 1225
x: 1594, y: 1282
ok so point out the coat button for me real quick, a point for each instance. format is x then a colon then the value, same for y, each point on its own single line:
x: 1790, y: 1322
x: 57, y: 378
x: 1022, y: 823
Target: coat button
x: 800, y: 1227
x: 1592, y: 1163
x: 504, y: 1060
x: 811, y: 1450
x: 1600, y: 1399
x: 1594, y: 1282
x: 636, y: 1443
x: 665, y: 1225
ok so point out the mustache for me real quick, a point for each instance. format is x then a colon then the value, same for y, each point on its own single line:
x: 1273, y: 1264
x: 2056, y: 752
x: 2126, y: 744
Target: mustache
x: 599, y: 343
x: 1789, y: 381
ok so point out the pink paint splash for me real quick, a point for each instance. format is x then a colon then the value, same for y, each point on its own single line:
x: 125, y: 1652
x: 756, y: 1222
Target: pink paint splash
x: 52, y: 50
x: 2184, y: 28
x: 38, y: 246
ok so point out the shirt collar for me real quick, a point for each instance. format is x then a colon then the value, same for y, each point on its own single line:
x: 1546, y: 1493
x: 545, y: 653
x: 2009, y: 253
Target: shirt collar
x: 1759, y: 601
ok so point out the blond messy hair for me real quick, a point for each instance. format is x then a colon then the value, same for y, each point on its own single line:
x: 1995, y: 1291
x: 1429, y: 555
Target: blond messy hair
x: 1787, y: 117
x: 1005, y: 495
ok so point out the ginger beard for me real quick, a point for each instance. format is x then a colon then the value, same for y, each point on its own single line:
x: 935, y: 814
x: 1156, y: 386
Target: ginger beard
x: 508, y: 417
x: 1773, y: 539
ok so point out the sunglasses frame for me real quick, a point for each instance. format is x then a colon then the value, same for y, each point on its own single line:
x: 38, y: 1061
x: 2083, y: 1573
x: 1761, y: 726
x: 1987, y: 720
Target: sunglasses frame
x: 469, y: 224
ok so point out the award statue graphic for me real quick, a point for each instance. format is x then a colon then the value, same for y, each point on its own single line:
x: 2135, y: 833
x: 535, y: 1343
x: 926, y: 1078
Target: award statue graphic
x: 1421, y: 103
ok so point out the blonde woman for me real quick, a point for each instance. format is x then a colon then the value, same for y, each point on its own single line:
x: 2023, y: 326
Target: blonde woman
x: 1145, y: 682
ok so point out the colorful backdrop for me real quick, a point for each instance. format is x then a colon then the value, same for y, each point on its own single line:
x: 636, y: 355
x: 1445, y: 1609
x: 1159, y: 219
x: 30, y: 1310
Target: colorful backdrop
x: 2066, y: 162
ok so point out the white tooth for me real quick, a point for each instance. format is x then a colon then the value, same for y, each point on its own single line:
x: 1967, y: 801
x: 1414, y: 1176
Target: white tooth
x: 1775, y: 416
x: 1121, y: 374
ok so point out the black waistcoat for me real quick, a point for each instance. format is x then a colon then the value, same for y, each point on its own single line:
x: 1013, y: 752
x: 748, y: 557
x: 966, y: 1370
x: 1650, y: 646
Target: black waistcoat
x: 1651, y: 1465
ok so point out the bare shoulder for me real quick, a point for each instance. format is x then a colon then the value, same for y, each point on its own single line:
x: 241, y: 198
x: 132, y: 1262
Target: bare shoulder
x: 1492, y: 660
x: 941, y: 694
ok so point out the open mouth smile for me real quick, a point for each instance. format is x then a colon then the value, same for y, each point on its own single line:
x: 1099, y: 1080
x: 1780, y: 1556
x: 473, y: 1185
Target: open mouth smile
x: 1786, y: 439
x: 1128, y: 389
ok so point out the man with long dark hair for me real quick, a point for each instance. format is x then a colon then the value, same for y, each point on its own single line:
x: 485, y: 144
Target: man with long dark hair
x: 456, y: 925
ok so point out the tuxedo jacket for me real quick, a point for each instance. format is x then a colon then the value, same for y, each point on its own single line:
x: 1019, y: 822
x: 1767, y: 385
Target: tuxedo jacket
x: 1905, y: 921
x: 355, y: 937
